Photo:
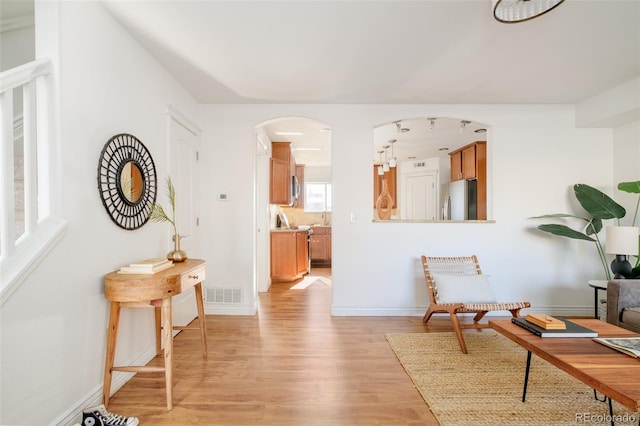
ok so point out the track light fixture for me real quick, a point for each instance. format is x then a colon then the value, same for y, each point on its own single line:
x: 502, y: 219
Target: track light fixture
x: 399, y: 127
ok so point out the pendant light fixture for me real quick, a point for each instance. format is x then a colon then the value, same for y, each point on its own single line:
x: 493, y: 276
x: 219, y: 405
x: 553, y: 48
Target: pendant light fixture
x: 380, y: 167
x: 393, y: 161
x: 463, y: 125
x: 432, y: 123
x: 513, y: 11
x: 385, y: 165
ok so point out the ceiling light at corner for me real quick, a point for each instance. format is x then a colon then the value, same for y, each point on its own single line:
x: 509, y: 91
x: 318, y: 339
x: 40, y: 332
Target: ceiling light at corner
x: 289, y: 133
x: 513, y: 11
x: 463, y: 125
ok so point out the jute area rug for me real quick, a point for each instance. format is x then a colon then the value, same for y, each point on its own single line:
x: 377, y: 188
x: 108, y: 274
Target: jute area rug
x: 484, y: 387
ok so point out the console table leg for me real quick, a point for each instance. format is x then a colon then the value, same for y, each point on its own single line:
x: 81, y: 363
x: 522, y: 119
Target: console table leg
x: 112, y: 335
x: 201, y: 318
x: 526, y: 376
x: 158, y: 316
x: 167, y: 333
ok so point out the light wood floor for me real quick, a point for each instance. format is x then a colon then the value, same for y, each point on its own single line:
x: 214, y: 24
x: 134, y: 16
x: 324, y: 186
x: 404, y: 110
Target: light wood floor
x: 292, y: 364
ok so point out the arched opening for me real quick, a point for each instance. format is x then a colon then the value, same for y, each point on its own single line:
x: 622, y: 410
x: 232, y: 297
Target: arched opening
x: 432, y: 169
x: 293, y: 201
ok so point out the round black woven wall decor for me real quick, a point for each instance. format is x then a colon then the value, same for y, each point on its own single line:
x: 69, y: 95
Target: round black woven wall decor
x: 127, y: 181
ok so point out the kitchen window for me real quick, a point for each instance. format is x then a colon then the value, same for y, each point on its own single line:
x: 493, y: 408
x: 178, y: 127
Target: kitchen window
x: 317, y: 197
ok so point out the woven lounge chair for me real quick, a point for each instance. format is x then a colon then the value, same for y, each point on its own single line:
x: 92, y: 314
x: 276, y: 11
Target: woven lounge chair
x: 456, y: 286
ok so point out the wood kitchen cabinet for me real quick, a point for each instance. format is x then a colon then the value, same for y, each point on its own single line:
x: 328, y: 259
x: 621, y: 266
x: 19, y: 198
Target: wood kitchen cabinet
x: 283, y: 168
x: 320, y: 246
x: 302, y: 253
x: 289, y: 255
x: 279, y: 189
x: 470, y: 162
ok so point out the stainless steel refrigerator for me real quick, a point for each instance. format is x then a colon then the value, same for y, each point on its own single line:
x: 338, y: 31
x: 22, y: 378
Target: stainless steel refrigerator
x: 461, y: 202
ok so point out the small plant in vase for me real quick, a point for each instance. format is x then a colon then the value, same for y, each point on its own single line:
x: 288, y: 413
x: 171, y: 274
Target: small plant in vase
x: 158, y: 214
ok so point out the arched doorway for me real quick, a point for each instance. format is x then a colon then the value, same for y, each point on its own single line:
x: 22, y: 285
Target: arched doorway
x: 310, y: 143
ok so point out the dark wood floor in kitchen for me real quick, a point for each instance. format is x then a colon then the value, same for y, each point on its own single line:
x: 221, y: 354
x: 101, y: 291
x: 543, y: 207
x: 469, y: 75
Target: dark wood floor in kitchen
x: 292, y: 364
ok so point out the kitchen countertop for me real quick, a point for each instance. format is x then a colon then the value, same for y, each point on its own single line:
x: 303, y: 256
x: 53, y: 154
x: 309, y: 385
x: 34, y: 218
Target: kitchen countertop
x: 288, y: 230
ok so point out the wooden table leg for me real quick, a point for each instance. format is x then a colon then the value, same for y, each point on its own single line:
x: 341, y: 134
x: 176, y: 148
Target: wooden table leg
x: 112, y: 336
x: 201, y: 318
x: 158, y: 316
x: 167, y: 332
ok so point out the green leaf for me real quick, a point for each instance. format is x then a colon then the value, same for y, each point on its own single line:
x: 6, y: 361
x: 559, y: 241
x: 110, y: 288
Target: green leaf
x: 594, y: 226
x: 564, y: 231
x: 598, y: 204
x: 632, y: 187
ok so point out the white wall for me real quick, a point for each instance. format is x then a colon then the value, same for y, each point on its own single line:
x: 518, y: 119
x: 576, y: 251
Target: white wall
x: 54, y: 326
x: 536, y: 155
x: 626, y: 160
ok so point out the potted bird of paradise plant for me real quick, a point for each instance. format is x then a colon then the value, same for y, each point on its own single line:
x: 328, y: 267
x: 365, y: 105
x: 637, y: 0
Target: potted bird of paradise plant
x: 599, y: 206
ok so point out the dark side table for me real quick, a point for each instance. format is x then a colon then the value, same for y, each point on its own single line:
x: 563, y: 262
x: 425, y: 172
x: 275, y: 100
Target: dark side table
x: 597, y: 285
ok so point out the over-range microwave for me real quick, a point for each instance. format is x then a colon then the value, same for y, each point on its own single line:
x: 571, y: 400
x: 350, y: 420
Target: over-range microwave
x: 295, y: 189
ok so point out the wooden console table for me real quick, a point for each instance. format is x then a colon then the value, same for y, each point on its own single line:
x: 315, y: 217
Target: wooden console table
x: 152, y: 291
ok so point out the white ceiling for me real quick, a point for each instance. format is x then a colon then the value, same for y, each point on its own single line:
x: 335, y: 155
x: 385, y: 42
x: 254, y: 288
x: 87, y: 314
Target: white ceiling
x: 358, y: 51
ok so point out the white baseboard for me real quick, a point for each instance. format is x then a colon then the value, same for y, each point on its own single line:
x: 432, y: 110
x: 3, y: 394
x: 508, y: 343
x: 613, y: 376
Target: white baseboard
x: 575, y: 311
x: 73, y: 414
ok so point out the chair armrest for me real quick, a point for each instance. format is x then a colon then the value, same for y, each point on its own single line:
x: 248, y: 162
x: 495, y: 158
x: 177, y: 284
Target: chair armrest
x: 621, y: 294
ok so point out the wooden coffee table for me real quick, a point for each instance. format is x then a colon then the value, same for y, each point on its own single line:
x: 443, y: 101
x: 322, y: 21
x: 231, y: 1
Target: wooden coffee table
x: 607, y: 371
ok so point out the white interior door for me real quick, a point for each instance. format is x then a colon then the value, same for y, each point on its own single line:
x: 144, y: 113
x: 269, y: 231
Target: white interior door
x: 420, y: 197
x: 183, y: 161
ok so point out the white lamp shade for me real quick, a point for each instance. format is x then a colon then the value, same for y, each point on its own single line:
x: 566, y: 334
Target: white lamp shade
x: 622, y: 240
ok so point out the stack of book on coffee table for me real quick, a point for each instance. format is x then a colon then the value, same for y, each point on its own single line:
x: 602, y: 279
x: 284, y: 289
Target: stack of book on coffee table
x: 147, y: 266
x: 547, y: 326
